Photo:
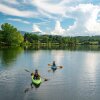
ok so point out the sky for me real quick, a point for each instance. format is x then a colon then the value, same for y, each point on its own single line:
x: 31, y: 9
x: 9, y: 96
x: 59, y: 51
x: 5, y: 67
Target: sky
x: 53, y: 17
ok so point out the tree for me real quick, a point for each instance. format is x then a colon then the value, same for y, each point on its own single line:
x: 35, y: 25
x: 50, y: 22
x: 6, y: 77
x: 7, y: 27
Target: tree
x: 11, y: 36
x: 1, y: 36
x: 35, y: 38
x: 32, y: 38
x: 44, y: 39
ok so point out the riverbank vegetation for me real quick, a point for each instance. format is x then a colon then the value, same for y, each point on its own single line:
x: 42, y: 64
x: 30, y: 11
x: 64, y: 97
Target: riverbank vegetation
x: 10, y: 36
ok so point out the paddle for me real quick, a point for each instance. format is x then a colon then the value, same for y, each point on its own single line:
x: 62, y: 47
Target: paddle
x: 32, y: 73
x: 60, y: 66
x: 44, y: 78
x: 57, y: 66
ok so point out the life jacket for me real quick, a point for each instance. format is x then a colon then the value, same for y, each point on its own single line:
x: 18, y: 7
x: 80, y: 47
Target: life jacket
x: 36, y: 74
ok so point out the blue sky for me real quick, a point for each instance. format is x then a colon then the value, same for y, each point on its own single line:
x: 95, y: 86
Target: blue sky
x: 56, y: 17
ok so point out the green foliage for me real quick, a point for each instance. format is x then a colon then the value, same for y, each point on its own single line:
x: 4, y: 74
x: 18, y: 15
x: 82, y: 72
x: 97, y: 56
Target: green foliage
x: 44, y: 39
x: 32, y: 38
x: 10, y: 35
x: 1, y: 36
x: 26, y: 43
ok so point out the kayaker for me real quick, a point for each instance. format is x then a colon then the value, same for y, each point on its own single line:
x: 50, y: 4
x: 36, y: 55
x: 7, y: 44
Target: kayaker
x: 53, y: 64
x: 36, y: 74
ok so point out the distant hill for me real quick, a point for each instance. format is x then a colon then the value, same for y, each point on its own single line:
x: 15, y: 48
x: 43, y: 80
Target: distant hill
x: 23, y: 32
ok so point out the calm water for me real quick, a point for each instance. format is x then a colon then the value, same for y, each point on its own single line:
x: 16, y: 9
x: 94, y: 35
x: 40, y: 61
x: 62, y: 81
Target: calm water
x: 78, y: 80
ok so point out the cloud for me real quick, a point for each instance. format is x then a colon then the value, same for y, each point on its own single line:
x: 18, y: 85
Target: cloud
x: 86, y: 20
x: 92, y: 24
x: 15, y: 12
x: 58, y: 29
x: 54, y: 9
x: 36, y: 28
x: 49, y: 8
x: 18, y: 20
x: 45, y: 14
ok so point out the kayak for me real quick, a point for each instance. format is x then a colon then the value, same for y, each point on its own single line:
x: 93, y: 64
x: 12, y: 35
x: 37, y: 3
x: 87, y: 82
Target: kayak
x: 36, y: 81
x: 53, y: 67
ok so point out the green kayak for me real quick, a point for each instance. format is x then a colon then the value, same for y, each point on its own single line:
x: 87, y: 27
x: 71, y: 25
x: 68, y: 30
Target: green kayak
x: 36, y: 81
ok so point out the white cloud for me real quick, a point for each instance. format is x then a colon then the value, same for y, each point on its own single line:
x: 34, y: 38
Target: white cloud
x: 92, y: 24
x: 36, y: 28
x: 58, y: 29
x: 15, y: 12
x: 49, y: 7
x: 46, y: 14
x: 18, y: 20
x: 86, y: 20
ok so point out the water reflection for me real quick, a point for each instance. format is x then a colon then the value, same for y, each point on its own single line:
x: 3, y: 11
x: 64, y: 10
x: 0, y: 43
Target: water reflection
x: 85, y: 72
x: 9, y: 55
x: 32, y: 86
x: 57, y: 56
x: 36, y: 57
x: 91, y: 62
x: 71, y: 48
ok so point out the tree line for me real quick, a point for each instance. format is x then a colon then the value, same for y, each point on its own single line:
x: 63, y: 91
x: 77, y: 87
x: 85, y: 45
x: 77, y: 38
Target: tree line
x: 10, y: 36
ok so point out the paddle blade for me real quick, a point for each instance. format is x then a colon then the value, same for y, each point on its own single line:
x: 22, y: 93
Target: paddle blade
x: 32, y: 74
x: 60, y: 66
x: 45, y: 79
x: 49, y: 65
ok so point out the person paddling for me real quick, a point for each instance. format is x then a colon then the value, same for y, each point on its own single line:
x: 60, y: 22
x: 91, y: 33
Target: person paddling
x: 53, y: 67
x: 53, y: 64
x: 36, y: 74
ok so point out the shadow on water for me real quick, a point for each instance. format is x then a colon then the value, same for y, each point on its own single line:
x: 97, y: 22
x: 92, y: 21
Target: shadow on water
x: 32, y: 86
x: 53, y: 70
x: 9, y: 55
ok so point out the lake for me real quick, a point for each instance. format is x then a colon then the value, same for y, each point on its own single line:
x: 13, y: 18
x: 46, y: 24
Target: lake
x: 79, y: 79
